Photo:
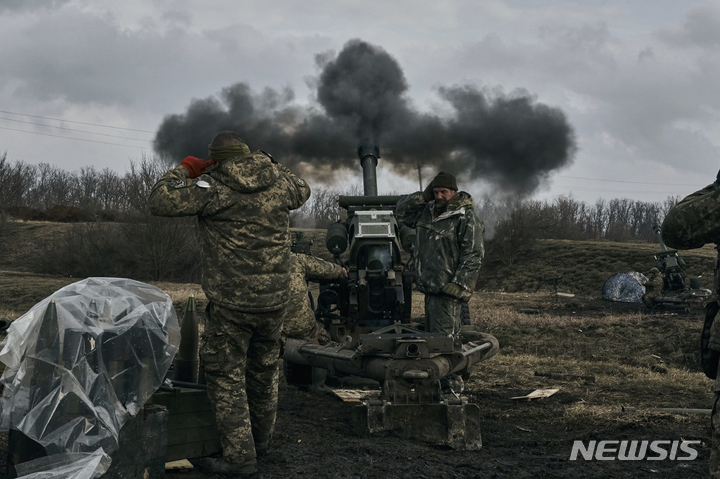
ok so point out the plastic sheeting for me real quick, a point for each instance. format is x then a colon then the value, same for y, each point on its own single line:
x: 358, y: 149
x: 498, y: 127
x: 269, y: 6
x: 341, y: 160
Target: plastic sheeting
x: 75, y: 465
x: 84, y: 359
x: 625, y: 287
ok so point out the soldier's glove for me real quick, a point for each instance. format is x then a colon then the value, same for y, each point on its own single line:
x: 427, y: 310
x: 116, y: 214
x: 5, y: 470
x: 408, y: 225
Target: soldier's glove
x: 428, y: 194
x: 452, y: 289
x: 196, y: 166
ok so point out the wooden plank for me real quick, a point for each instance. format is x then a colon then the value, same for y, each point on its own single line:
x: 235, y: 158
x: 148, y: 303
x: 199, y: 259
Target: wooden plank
x: 536, y: 394
x: 352, y: 395
x: 181, y: 465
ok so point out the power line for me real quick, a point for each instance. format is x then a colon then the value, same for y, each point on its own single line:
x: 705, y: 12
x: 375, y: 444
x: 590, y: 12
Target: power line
x: 623, y: 181
x: 634, y: 192
x: 78, y: 122
x: 71, y: 138
x: 73, y: 129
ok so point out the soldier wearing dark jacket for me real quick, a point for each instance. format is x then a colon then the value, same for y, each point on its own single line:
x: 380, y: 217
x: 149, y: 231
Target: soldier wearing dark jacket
x: 693, y: 223
x: 243, y: 206
x: 449, y: 249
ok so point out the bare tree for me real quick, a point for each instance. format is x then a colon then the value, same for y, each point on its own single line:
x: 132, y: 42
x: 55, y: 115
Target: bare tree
x: 17, y: 180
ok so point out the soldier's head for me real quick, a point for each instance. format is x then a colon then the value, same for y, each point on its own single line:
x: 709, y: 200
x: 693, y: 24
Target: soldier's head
x: 444, y: 187
x: 226, y: 145
x: 226, y: 138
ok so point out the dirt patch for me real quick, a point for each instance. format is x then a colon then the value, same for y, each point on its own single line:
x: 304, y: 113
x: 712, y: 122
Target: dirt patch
x: 314, y: 436
x: 639, y: 359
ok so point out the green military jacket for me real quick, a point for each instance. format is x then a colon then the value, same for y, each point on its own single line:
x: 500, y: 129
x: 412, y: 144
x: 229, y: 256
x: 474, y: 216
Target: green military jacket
x: 243, y: 207
x: 694, y: 221
x: 449, y: 248
x: 299, y: 316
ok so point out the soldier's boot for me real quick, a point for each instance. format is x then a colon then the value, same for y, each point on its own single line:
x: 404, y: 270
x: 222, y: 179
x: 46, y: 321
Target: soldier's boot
x: 218, y: 465
x: 319, y: 375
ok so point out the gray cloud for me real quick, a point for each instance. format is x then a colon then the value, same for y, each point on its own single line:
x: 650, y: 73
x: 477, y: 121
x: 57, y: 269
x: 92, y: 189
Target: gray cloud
x: 82, y: 58
x: 30, y: 5
x: 651, y: 96
x: 701, y: 28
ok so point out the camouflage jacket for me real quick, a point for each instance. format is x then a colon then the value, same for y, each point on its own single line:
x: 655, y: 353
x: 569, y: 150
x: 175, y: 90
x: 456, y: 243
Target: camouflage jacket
x: 449, y: 248
x: 243, y: 207
x: 299, y: 316
x: 694, y: 221
x: 654, y: 284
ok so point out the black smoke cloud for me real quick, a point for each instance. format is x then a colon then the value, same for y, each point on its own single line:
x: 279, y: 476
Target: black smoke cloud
x: 510, y: 140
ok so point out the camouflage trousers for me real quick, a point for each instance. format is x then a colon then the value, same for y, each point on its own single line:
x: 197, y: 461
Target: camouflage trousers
x: 240, y: 352
x: 715, y: 447
x: 442, y: 314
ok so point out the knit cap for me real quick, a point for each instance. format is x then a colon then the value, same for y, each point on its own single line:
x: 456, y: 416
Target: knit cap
x: 445, y: 180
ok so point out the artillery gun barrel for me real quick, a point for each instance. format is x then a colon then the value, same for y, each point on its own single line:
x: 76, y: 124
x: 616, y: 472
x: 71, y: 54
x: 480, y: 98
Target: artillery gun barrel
x: 369, y: 165
x: 369, y: 154
x: 658, y: 236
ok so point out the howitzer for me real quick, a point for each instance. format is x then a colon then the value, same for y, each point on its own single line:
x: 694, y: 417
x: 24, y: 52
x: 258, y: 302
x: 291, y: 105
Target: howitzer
x: 676, y: 292
x: 368, y: 317
x: 670, y: 265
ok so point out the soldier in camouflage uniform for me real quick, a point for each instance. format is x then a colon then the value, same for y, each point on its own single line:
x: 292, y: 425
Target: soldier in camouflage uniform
x: 449, y: 250
x: 653, y: 287
x: 692, y: 223
x: 243, y: 206
x: 299, y: 320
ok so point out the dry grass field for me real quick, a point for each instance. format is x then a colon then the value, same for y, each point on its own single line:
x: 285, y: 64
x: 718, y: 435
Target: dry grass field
x: 639, y: 359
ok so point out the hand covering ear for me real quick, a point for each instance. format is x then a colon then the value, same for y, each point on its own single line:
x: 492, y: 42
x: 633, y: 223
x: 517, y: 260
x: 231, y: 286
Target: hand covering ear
x: 196, y: 166
x: 428, y: 194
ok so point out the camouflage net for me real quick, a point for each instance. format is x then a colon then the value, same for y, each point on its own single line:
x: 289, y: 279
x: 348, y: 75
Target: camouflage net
x: 625, y: 287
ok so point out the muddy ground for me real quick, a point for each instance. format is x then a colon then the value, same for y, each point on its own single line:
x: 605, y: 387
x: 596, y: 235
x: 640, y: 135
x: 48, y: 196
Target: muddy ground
x: 314, y: 435
x: 314, y: 438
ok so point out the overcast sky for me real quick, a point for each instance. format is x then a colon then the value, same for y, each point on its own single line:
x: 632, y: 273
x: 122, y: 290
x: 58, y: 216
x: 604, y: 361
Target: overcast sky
x: 636, y: 79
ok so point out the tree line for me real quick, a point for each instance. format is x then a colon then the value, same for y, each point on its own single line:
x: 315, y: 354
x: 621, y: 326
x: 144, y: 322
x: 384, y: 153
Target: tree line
x: 114, y: 233
x: 39, y: 191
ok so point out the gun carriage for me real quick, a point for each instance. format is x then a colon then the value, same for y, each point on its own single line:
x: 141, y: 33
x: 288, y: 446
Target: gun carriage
x: 368, y: 317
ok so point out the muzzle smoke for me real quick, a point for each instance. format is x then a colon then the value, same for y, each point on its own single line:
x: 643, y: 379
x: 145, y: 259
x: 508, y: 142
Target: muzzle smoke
x: 510, y: 140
